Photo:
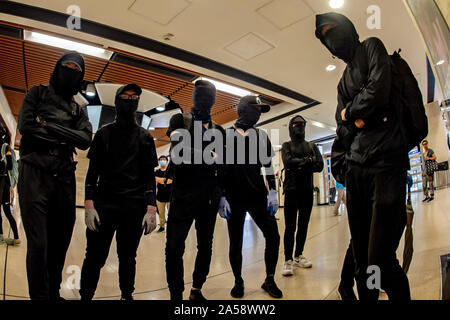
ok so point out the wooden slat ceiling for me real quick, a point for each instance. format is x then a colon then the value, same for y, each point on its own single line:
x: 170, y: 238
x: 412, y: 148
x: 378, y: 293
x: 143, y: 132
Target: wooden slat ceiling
x: 24, y: 64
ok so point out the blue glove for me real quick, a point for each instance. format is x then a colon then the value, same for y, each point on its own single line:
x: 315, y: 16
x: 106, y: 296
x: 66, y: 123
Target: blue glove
x: 272, y: 202
x: 224, y: 208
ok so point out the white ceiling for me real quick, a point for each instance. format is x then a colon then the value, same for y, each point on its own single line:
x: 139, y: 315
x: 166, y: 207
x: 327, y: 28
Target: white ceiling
x: 272, y: 39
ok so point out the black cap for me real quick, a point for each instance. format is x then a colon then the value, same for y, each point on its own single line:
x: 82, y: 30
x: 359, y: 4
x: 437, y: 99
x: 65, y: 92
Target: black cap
x: 254, y: 101
x: 131, y: 86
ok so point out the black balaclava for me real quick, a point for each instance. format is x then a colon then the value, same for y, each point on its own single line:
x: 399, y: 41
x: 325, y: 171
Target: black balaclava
x: 248, y: 116
x: 297, y: 133
x: 126, y: 109
x: 204, y: 97
x: 342, y: 39
x: 66, y: 81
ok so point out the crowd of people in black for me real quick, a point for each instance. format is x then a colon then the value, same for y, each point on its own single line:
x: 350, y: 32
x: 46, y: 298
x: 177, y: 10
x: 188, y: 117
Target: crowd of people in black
x: 369, y: 156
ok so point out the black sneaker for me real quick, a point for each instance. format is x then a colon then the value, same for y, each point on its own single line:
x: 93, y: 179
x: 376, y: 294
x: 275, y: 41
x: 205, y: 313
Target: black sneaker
x: 347, y: 294
x: 127, y: 297
x: 161, y: 229
x: 176, y: 296
x: 196, y: 295
x: 271, y: 288
x: 426, y: 199
x: 238, y: 290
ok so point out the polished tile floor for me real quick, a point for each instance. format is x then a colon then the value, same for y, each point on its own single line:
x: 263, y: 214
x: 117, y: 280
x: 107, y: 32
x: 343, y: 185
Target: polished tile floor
x: 327, y: 242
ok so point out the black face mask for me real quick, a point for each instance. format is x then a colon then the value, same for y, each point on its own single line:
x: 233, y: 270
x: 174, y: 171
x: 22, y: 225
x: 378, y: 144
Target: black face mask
x: 299, y: 132
x: 66, y: 81
x: 126, y: 110
x: 340, y: 43
x: 204, y: 98
x: 248, y: 117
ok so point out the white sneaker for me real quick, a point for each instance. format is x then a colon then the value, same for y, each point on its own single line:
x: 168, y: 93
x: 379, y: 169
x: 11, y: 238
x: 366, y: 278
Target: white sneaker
x: 302, y: 262
x: 288, y: 269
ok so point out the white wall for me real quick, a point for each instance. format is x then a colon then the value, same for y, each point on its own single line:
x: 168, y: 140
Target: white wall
x: 8, y: 117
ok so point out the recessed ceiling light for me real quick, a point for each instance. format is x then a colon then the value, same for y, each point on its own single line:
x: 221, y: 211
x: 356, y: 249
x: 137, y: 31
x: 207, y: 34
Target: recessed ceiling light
x: 90, y: 90
x: 330, y: 67
x: 440, y: 62
x: 336, y: 4
x: 151, y: 129
x: 161, y: 108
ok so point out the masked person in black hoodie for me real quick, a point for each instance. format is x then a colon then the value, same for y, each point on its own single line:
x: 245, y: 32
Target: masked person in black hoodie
x: 120, y: 195
x: 301, y: 159
x: 246, y: 191
x: 52, y: 125
x: 376, y: 157
x: 196, y: 190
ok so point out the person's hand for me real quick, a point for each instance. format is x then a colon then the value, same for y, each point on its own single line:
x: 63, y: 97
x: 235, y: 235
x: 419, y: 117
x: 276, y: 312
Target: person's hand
x: 41, y: 121
x: 149, y: 221
x: 359, y: 123
x: 272, y: 202
x: 343, y: 115
x: 224, y: 208
x: 91, y: 217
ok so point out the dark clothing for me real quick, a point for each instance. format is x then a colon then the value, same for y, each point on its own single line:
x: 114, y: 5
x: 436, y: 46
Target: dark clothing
x: 348, y: 269
x: 297, y: 203
x: 47, y: 204
x: 163, y: 190
x: 196, y: 191
x: 376, y: 213
x: 244, y: 177
x: 301, y: 160
x: 257, y: 208
x: 187, y: 206
x: 121, y: 166
x: 5, y: 197
x: 124, y: 219
x: 52, y: 126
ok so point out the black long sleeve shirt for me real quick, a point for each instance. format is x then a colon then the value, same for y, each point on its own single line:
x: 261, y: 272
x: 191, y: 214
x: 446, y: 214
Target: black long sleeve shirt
x: 121, y: 166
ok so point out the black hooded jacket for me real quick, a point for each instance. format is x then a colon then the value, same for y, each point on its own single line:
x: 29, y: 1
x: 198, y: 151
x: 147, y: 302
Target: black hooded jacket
x: 300, y: 159
x: 52, y: 126
x: 122, y: 162
x: 364, y: 91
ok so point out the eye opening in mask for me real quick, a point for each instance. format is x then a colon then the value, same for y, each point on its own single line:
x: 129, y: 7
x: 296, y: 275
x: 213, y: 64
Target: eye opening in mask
x: 72, y: 66
x: 299, y: 123
x: 129, y: 97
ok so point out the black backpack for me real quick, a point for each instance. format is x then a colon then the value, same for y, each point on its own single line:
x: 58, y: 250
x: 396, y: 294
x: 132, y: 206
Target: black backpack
x: 407, y: 100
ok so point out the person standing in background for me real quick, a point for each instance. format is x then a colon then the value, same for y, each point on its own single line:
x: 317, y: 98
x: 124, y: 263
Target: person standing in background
x: 52, y: 125
x: 340, y: 198
x: 429, y: 159
x: 8, y: 180
x: 164, y: 188
x: 301, y: 159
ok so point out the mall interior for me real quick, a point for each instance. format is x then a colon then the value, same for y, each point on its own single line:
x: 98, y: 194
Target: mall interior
x: 265, y: 48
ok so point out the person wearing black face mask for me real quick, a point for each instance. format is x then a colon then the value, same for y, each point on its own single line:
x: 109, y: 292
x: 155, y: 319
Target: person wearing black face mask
x: 246, y: 191
x: 301, y: 159
x: 370, y: 139
x: 120, y: 195
x: 52, y: 125
x: 196, y: 191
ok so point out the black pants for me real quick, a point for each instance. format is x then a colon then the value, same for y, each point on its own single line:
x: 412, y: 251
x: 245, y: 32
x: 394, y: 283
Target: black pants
x: 348, y: 269
x: 47, y: 205
x: 296, y: 203
x: 186, y: 207
x: 125, y: 220
x: 5, y: 196
x: 376, y: 211
x: 257, y: 208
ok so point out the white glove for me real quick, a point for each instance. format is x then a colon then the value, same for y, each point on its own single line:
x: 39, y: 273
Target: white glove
x: 91, y: 216
x: 149, y: 222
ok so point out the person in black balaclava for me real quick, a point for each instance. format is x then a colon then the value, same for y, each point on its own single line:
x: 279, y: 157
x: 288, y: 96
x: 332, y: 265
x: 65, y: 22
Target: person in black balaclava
x: 120, y: 195
x: 196, y: 191
x: 246, y: 191
x: 301, y: 159
x: 376, y: 157
x: 52, y: 124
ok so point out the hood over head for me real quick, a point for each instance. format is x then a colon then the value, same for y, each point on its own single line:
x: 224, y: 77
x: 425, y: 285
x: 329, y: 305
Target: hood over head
x: 297, y: 133
x: 204, y: 97
x: 126, y: 108
x: 249, y: 111
x: 342, y: 39
x: 66, y: 81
